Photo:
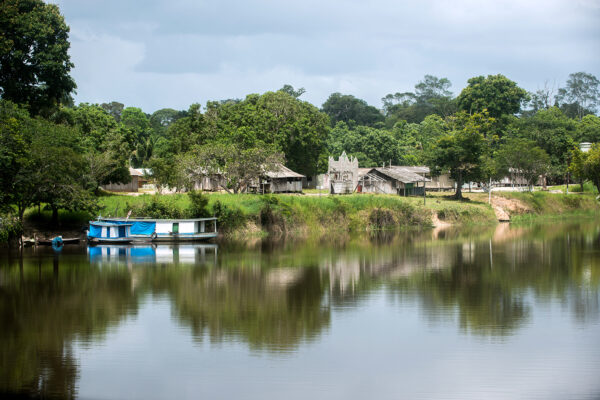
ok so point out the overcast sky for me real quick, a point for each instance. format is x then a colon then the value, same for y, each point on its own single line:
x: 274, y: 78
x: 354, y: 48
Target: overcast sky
x: 172, y: 53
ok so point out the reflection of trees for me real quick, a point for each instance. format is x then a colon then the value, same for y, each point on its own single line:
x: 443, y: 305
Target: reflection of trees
x: 269, y: 308
x: 44, y: 306
x: 488, y: 280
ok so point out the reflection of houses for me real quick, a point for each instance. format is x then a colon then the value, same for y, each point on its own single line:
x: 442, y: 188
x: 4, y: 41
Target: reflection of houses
x: 136, y: 182
x: 391, y: 180
x: 343, y: 174
x: 281, y: 180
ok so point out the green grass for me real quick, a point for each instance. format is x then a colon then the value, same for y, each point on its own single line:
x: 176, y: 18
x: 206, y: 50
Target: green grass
x: 553, y: 205
x: 320, y: 214
x: 588, y: 187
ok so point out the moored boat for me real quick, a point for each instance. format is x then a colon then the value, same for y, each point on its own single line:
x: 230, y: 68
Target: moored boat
x: 168, y: 230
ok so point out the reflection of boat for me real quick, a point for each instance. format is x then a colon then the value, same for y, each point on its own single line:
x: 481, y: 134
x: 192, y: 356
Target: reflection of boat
x: 168, y: 230
x: 108, y: 232
x: 153, y: 254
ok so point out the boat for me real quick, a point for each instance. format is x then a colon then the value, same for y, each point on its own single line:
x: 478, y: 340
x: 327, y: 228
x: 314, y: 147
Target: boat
x: 167, y: 230
x: 48, y: 242
x: 109, y: 232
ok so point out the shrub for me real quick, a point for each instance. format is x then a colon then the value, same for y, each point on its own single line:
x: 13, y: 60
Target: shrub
x: 229, y: 217
x: 10, y: 227
x: 198, y: 205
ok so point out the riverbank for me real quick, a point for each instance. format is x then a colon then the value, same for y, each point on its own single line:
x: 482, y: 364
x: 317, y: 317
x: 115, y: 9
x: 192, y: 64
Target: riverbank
x: 245, y: 215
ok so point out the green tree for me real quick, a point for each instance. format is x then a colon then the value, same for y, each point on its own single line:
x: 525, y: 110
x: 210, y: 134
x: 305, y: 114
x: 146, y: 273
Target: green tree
x: 289, y: 89
x: 591, y: 165
x: 580, y: 96
x: 34, y: 58
x: 577, y: 167
x: 239, y: 166
x: 521, y: 157
x: 497, y: 94
x: 588, y: 129
x: 15, y: 136
x: 431, y: 96
x: 114, y: 108
x: 462, y: 148
x: 59, y: 170
x: 552, y: 131
x: 349, y: 109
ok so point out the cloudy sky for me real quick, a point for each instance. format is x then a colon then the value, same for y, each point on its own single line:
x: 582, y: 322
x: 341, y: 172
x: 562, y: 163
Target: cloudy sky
x: 171, y: 53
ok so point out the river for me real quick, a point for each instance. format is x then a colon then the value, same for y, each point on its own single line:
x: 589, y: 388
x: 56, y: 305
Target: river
x: 503, y: 312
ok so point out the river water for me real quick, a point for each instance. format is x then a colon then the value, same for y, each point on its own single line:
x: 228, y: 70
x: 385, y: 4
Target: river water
x: 505, y: 312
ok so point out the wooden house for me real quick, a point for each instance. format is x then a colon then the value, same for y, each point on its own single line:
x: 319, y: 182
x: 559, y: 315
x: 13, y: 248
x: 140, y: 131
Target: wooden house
x: 343, y: 174
x: 391, y: 180
x: 281, y: 180
x: 137, y: 181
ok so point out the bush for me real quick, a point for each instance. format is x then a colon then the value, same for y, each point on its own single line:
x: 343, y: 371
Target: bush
x: 229, y: 218
x: 198, y: 205
x: 157, y: 207
x: 10, y: 227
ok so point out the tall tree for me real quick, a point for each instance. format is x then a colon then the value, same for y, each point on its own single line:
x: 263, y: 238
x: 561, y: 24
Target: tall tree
x: 289, y: 89
x: 462, y: 148
x: 114, y: 108
x: 521, y: 157
x: 495, y: 93
x: 580, y: 96
x: 349, y: 109
x: 431, y: 96
x: 34, y: 58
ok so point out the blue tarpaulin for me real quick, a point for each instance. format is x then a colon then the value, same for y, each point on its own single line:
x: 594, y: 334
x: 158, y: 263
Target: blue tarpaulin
x: 143, y: 228
x: 139, y: 227
x: 95, y: 231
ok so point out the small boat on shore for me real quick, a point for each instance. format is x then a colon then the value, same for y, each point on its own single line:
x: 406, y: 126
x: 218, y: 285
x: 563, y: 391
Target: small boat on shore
x: 155, y: 230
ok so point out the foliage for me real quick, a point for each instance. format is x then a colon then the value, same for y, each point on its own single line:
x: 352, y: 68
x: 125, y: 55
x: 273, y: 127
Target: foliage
x: 580, y: 96
x: 497, y: 94
x: 591, y: 165
x: 238, y: 166
x: 431, y: 96
x: 521, y: 157
x: 347, y: 108
x: 11, y: 227
x: 552, y: 131
x: 34, y: 59
x: 198, y: 205
x: 462, y: 148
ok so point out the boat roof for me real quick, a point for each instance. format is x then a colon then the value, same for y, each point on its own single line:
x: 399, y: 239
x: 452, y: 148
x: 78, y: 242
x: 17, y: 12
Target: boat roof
x: 103, y: 223
x: 156, y: 219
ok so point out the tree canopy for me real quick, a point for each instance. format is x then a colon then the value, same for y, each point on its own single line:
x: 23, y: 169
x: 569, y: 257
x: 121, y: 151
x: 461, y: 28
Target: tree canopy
x: 34, y: 59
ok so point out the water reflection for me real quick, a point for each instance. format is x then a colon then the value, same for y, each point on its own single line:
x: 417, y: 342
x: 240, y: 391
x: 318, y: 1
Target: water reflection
x: 276, y: 297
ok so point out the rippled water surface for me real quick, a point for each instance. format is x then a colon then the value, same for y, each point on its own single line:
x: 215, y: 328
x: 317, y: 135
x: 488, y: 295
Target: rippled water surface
x: 497, y: 313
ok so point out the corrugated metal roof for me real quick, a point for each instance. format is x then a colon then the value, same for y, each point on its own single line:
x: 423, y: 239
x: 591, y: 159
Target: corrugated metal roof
x: 283, y: 172
x: 135, y: 172
x: 401, y: 174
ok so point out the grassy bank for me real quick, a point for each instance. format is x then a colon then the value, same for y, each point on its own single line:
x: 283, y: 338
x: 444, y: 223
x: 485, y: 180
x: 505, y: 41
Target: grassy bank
x: 245, y: 215
x: 552, y: 205
x: 317, y: 214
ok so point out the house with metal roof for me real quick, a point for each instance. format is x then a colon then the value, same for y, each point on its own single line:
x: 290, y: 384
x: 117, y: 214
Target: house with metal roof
x: 281, y: 180
x: 392, y: 180
x: 138, y: 178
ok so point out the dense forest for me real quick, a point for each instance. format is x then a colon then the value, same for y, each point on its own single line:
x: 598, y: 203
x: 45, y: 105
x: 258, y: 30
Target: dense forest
x: 57, y: 153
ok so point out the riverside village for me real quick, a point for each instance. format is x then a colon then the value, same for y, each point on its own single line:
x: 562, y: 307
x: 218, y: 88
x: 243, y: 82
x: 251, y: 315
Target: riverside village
x: 287, y: 200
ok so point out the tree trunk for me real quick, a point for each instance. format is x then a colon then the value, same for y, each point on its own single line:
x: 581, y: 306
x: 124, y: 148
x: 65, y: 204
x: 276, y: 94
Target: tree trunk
x: 54, y: 219
x: 458, y: 194
x: 581, y: 184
